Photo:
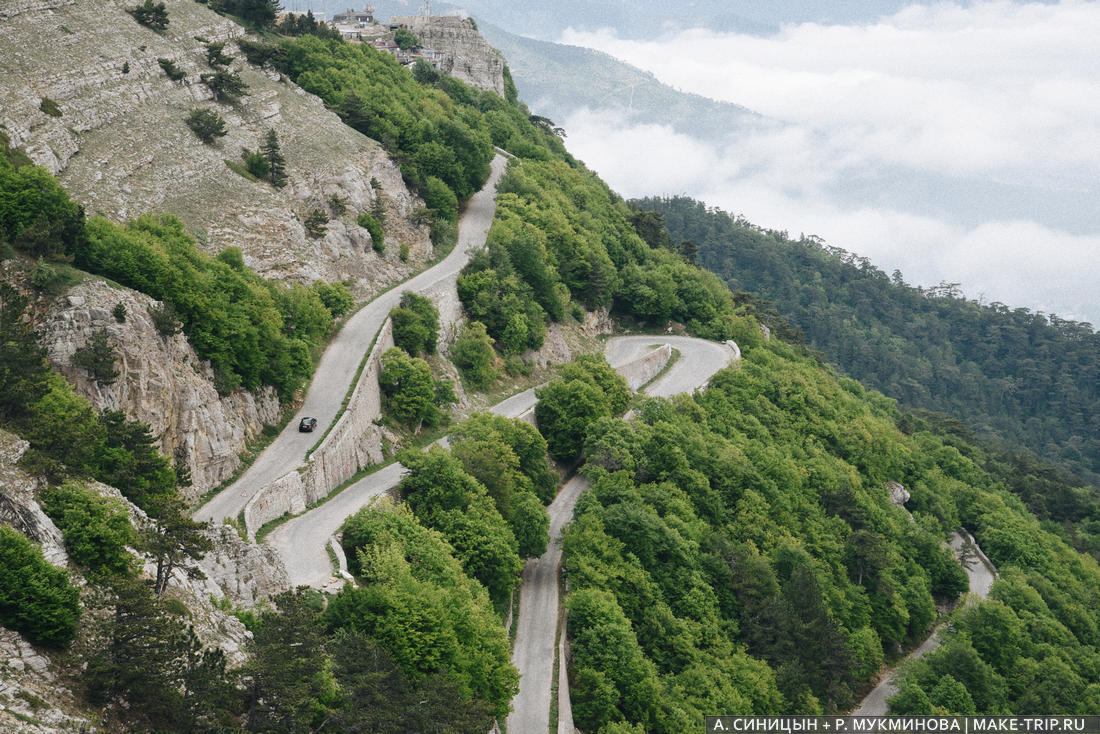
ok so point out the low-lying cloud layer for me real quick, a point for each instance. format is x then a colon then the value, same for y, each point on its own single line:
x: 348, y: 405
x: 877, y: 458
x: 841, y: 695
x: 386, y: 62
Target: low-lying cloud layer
x: 944, y: 140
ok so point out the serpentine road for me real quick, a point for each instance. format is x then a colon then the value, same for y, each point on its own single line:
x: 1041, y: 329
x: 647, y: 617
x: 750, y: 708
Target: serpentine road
x: 341, y: 359
x: 302, y: 541
x: 536, y: 630
x: 981, y: 575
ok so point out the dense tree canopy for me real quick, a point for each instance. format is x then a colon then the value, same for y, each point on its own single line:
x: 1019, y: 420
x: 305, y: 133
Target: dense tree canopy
x: 738, y: 551
x: 1029, y: 378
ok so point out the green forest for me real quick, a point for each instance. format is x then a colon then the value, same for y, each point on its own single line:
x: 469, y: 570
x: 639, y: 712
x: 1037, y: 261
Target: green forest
x: 1028, y: 378
x: 738, y: 552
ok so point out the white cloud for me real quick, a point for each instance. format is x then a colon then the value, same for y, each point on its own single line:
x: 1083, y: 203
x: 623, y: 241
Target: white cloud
x: 991, y: 92
x: 761, y: 176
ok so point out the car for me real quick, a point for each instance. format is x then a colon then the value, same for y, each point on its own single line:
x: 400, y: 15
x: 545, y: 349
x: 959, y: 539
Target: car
x: 306, y: 425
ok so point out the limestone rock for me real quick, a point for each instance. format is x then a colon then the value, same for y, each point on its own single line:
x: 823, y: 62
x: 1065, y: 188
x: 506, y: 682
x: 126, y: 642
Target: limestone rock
x: 32, y: 698
x: 467, y: 56
x: 245, y: 573
x: 162, y: 382
x: 18, y: 507
x: 121, y: 148
x: 899, y: 495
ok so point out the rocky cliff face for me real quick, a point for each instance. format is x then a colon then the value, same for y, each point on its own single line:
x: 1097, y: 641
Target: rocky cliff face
x: 161, y: 382
x: 467, y: 56
x: 118, y: 141
x: 18, y: 507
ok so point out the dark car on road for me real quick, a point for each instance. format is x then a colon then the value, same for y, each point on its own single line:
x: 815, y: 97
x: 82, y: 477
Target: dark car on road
x: 306, y: 425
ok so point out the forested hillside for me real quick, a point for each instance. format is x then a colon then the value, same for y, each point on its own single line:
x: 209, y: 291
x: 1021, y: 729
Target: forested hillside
x: 738, y: 552
x: 1026, y: 378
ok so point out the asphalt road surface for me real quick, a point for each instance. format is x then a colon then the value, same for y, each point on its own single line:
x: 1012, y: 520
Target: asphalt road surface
x: 533, y: 652
x: 981, y: 574
x: 341, y: 360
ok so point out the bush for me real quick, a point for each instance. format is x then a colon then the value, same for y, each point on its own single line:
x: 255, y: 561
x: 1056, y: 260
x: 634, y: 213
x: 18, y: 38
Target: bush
x: 316, y: 223
x: 98, y: 357
x: 165, y: 320
x: 374, y: 228
x: 50, y: 107
x: 119, y: 312
x: 224, y: 84
x: 336, y: 297
x: 255, y: 164
x: 96, y: 529
x: 174, y: 73
x: 405, y: 39
x: 151, y: 15
x: 206, y: 124
x: 415, y: 324
x: 403, y: 253
x: 48, y: 278
x: 473, y: 355
x: 409, y: 392
x: 36, y: 599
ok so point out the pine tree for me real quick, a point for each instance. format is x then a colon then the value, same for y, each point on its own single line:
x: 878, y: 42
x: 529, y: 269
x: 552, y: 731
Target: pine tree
x: 276, y: 163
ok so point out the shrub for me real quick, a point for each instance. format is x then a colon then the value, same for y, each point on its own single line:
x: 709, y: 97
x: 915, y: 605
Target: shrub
x: 403, y: 253
x: 165, y: 320
x: 255, y: 163
x: 338, y: 204
x: 46, y: 277
x: 214, y: 55
x: 98, y: 357
x: 409, y: 392
x: 119, y: 312
x: 36, y: 599
x: 374, y: 228
x: 405, y: 39
x: 206, y: 124
x: 151, y: 15
x: 50, y: 107
x: 174, y: 72
x: 337, y: 297
x: 316, y: 223
x: 473, y: 355
x: 96, y: 529
x: 224, y: 84
x: 415, y: 324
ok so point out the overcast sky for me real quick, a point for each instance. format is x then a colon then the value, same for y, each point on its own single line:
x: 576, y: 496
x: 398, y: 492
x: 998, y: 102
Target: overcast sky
x: 957, y: 143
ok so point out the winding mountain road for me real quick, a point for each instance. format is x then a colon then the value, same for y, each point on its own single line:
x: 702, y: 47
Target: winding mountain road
x: 341, y: 359
x: 981, y: 575
x: 536, y: 631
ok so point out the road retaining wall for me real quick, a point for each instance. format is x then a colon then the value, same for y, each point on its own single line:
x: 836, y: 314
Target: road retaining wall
x: 640, y: 371
x: 353, y: 444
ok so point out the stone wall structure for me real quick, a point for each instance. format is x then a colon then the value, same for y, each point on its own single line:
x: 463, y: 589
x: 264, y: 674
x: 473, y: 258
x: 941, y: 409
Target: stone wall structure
x: 354, y: 443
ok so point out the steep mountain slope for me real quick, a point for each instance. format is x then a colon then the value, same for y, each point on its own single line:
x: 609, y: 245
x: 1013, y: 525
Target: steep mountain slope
x: 733, y: 540
x: 1028, y: 378
x: 120, y: 146
x: 558, y: 80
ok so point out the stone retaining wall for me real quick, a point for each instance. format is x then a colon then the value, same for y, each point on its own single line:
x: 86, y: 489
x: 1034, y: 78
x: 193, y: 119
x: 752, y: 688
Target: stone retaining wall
x: 645, y: 368
x: 354, y: 443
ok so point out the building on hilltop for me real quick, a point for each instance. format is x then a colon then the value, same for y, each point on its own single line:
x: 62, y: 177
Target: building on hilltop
x: 363, y: 17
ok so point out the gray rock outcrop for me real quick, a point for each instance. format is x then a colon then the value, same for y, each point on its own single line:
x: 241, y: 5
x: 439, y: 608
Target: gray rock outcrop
x: 245, y: 573
x: 467, y: 56
x: 119, y: 144
x: 899, y: 495
x: 18, y: 507
x: 161, y: 382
